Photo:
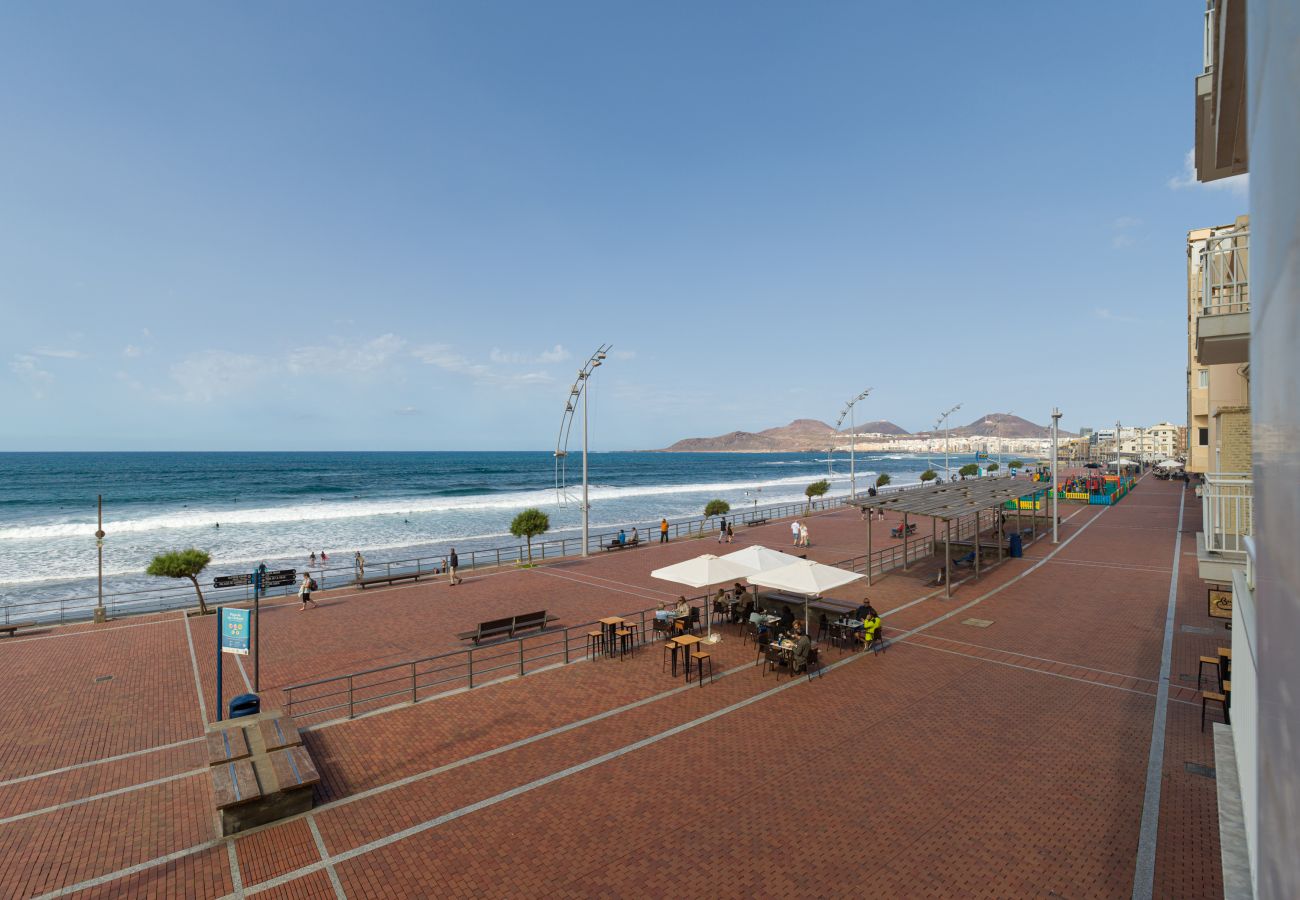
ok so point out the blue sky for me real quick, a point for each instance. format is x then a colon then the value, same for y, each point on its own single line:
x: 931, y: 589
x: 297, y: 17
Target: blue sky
x: 403, y: 226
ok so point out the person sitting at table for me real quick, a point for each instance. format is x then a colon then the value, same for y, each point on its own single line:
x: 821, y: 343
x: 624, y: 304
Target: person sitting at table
x: 868, y: 611
x: 802, y: 646
x: 787, y: 618
x: 683, y: 612
x: 744, y: 613
x: 622, y: 538
x: 720, y: 599
x: 870, y: 628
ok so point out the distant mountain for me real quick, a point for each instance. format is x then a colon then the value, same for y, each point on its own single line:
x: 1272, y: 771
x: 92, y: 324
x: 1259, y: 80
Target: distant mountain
x: 879, y: 426
x: 1001, y: 425
x: 801, y: 434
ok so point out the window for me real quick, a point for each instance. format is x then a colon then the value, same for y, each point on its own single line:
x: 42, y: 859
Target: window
x: 1203, y: 378
x: 1203, y: 436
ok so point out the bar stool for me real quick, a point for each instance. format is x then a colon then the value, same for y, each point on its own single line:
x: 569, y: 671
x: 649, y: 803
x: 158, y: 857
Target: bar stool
x: 1207, y: 696
x: 636, y: 632
x: 595, y: 643
x: 625, y: 645
x: 1213, y: 663
x: 670, y: 647
x: 700, y: 658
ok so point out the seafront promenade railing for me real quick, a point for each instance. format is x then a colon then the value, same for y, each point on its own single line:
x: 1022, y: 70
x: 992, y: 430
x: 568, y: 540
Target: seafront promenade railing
x: 413, y: 680
x: 147, y: 600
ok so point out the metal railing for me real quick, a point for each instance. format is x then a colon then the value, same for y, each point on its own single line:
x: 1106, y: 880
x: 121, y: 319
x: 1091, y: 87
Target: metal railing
x: 1225, y: 269
x: 371, y: 690
x: 147, y: 600
x: 1227, y: 511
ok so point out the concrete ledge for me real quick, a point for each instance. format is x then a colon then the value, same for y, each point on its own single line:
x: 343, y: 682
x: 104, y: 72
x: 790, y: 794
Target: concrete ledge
x: 1232, y: 824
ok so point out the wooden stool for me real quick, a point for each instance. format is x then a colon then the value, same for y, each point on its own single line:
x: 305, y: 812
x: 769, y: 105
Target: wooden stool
x: 670, y: 647
x: 636, y: 632
x: 1213, y: 662
x: 625, y: 645
x: 1206, y: 697
x: 700, y: 658
x: 595, y: 643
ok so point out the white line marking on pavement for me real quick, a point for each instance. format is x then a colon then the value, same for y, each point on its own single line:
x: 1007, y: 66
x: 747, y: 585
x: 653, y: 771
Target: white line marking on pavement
x: 198, y: 683
x: 324, y: 855
x: 235, y: 878
x: 634, y: 593
x: 99, y: 762
x: 13, y: 641
x: 93, y: 797
x: 131, y: 870
x: 239, y: 660
x: 1060, y: 662
x: 1144, y: 873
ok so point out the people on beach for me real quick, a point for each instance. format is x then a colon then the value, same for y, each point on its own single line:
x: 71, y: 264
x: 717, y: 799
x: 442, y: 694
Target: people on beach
x: 311, y: 560
x: 323, y: 557
x: 218, y: 524
x: 452, y: 562
x: 304, y: 591
x: 663, y: 531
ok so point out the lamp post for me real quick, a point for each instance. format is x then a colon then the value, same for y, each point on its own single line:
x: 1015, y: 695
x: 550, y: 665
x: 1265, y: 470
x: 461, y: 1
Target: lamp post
x: 943, y: 417
x: 1119, y: 459
x: 577, y: 391
x: 754, y: 494
x: 848, y: 411
x: 100, y: 614
x: 1056, y: 424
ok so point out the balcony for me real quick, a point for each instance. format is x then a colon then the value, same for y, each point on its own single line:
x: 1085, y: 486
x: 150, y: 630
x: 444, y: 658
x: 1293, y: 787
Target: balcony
x: 1223, y: 320
x: 1221, y: 146
x: 1227, y: 520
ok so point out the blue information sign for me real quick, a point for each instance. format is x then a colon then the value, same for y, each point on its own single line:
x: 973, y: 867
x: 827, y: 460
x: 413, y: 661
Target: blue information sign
x: 234, y: 630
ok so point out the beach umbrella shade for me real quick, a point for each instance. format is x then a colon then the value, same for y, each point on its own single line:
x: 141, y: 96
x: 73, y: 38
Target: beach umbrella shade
x: 1169, y: 464
x: 703, y: 572
x: 804, y: 577
x: 761, y: 559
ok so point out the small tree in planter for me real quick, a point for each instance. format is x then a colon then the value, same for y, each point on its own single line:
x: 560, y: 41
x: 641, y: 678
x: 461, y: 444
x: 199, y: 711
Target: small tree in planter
x: 816, y: 489
x: 182, y: 564
x: 528, y: 525
x: 970, y: 469
x: 993, y: 467
x: 882, y: 479
x: 928, y: 475
x: 716, y: 508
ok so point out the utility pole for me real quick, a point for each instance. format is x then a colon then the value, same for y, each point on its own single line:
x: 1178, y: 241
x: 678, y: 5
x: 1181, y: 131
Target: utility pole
x: 1056, y: 428
x: 101, y: 615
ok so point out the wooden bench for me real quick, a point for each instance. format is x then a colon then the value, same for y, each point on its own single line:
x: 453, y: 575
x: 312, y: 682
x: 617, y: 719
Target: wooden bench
x: 279, y: 732
x: 757, y: 522
x: 12, y: 627
x: 234, y: 784
x: 898, y: 532
x: 227, y: 745
x: 294, y: 769
x: 508, y: 627
x: 617, y: 545
x: 364, y: 583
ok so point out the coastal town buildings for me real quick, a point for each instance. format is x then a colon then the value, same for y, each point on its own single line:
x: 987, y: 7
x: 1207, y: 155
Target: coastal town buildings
x: 1243, y: 420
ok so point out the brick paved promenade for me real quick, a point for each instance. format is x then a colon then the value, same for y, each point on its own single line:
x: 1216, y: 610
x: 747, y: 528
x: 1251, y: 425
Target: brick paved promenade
x: 1001, y: 761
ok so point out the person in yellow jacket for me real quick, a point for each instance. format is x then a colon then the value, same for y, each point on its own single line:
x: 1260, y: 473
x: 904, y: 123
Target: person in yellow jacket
x: 870, y: 628
x: 663, y: 531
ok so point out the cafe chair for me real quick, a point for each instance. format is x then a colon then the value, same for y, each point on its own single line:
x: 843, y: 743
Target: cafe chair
x: 773, y: 660
x: 814, y: 665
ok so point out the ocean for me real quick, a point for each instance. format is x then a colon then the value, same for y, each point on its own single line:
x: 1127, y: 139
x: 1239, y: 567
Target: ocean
x: 279, y: 507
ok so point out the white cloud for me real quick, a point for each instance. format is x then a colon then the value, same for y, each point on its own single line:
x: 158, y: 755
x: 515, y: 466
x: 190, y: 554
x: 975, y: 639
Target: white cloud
x: 341, y: 358
x: 556, y: 354
x: 28, y: 370
x: 131, y: 351
x: 444, y: 357
x: 1239, y: 185
x: 57, y: 353
x: 1122, y: 229
x: 1105, y: 314
x: 407, y: 411
x: 214, y: 374
x: 623, y: 354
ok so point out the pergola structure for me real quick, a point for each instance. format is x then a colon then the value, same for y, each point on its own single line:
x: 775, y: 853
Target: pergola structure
x: 947, y: 501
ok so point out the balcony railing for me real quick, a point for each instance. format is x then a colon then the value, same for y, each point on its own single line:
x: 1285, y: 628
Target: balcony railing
x: 1227, y: 508
x: 1225, y: 267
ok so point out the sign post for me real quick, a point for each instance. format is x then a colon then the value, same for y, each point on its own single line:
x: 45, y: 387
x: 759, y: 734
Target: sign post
x: 232, y: 637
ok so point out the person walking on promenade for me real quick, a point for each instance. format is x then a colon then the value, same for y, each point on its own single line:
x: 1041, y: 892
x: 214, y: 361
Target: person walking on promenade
x: 731, y: 532
x: 803, y: 535
x: 452, y: 562
x: 663, y: 531
x: 635, y: 537
x: 722, y: 530
x: 360, y: 562
x: 794, y: 530
x: 305, y: 589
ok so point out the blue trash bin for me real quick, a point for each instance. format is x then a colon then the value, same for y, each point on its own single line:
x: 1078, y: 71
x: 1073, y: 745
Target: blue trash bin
x: 1017, y: 547
x: 245, y: 705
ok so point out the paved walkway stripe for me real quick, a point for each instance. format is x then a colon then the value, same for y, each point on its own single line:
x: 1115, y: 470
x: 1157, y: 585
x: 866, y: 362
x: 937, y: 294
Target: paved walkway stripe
x: 116, y: 792
x: 1144, y: 874
x: 99, y: 762
x: 324, y: 855
x: 232, y: 853
x: 635, y: 593
x: 1059, y: 662
x: 198, y: 683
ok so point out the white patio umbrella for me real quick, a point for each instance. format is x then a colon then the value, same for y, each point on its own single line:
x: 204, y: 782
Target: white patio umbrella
x: 804, y: 577
x: 703, y: 572
x: 760, y: 559
x: 1169, y: 464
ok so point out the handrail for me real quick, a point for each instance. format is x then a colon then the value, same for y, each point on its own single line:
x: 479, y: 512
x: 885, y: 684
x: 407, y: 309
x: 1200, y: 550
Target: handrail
x: 81, y: 607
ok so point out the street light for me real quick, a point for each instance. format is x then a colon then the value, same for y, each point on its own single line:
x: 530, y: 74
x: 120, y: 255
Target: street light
x: 578, y: 390
x: 1056, y: 425
x: 943, y: 417
x: 848, y: 411
x: 754, y: 494
x: 100, y: 615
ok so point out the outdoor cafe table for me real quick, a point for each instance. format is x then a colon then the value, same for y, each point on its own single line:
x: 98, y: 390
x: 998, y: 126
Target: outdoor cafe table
x: 610, y: 626
x: 686, y: 642
x: 847, y: 626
